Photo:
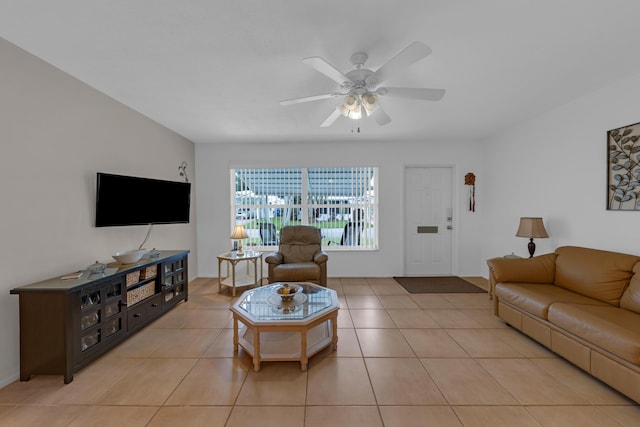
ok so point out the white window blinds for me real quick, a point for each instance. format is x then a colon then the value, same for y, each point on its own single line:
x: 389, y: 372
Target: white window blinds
x: 342, y: 202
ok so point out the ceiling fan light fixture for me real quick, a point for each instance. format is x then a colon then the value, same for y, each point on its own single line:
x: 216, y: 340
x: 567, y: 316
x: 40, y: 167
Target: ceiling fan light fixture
x: 351, y: 107
x: 354, y: 113
x: 351, y: 103
x: 370, y: 102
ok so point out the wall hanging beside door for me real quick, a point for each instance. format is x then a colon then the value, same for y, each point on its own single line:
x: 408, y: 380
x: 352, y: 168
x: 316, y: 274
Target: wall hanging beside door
x: 470, y: 180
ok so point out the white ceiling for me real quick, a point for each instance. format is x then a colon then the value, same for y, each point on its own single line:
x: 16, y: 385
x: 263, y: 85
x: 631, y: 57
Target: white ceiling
x: 215, y: 70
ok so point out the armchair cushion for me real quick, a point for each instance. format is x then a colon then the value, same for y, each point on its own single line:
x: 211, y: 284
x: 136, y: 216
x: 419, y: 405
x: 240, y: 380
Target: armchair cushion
x: 292, y: 254
x: 298, y: 272
x: 299, y: 243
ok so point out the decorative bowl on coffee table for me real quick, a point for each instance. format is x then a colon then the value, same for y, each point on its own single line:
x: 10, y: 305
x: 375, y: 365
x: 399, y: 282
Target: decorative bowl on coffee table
x: 287, y: 291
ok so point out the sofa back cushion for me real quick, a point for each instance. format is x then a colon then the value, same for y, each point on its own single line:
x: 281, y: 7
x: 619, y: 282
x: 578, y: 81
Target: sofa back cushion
x: 299, y: 243
x: 631, y: 298
x: 598, y: 274
x: 539, y: 269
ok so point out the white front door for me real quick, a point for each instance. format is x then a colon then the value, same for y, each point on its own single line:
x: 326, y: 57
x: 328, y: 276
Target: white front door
x: 428, y: 221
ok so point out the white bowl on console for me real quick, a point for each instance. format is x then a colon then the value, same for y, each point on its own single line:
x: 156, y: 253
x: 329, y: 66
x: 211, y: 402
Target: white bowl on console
x: 129, y: 257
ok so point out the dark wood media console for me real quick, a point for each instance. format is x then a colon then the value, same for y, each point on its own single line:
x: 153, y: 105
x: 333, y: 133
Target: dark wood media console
x: 66, y: 324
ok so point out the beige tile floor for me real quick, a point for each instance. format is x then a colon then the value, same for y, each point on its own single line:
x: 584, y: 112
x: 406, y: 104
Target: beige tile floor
x: 402, y: 361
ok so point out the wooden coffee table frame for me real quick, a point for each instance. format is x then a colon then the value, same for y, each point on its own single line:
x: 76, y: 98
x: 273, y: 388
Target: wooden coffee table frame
x: 301, y: 326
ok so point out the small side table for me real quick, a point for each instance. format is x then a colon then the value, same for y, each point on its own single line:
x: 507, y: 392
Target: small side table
x: 232, y: 259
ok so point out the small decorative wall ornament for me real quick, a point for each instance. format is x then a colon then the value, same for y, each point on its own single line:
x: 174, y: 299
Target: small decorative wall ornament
x: 470, y: 180
x: 623, y: 174
x: 183, y: 171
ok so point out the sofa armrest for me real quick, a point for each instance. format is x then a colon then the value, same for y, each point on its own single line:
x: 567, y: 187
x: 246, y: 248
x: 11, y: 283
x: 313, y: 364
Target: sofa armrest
x: 492, y: 279
x: 320, y: 257
x: 540, y: 269
x: 274, y: 258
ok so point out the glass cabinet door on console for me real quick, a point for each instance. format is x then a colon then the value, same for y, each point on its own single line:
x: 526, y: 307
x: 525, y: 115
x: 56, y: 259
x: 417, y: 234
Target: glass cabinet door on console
x: 101, y: 320
x: 174, y: 279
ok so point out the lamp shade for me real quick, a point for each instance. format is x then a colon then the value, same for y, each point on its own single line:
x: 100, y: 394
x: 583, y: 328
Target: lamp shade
x: 239, y: 232
x: 532, y: 228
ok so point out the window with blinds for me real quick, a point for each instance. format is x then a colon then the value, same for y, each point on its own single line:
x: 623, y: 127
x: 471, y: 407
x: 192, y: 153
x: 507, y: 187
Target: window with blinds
x: 342, y: 202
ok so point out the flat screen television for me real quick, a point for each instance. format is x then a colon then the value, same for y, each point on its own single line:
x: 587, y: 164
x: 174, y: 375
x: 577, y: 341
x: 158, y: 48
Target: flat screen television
x: 129, y: 200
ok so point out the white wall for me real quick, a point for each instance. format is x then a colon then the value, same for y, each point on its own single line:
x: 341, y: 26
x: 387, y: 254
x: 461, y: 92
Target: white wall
x: 554, y: 166
x: 55, y: 134
x: 214, y: 224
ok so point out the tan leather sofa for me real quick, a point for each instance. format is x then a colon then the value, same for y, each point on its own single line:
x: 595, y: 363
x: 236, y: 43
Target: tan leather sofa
x: 300, y: 257
x: 583, y: 304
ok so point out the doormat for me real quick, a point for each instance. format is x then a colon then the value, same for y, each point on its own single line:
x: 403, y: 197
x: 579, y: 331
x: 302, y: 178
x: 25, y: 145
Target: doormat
x: 437, y: 285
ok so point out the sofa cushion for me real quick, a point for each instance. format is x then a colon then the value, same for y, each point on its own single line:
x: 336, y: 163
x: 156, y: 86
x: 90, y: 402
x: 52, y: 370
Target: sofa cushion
x: 540, y: 269
x: 536, y: 298
x: 631, y: 297
x: 602, y: 275
x: 614, y: 329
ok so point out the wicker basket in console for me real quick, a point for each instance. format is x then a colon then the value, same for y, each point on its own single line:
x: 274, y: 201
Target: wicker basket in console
x: 133, y: 278
x: 148, y: 272
x: 136, y: 295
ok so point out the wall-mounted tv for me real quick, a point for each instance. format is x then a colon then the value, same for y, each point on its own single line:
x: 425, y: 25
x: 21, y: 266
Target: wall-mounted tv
x: 129, y: 200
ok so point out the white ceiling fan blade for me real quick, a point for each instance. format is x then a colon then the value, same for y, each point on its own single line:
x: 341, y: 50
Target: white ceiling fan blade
x: 327, y: 69
x: 332, y: 118
x: 412, y: 93
x: 380, y: 116
x: 308, y: 99
x: 410, y: 55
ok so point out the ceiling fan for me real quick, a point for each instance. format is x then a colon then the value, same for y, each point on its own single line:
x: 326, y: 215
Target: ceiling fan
x: 361, y: 88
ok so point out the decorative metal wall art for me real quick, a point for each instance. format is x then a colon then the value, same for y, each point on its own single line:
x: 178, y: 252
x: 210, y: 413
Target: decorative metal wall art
x: 623, y: 168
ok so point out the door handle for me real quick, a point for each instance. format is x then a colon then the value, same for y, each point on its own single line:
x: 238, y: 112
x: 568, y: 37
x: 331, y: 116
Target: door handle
x: 449, y: 227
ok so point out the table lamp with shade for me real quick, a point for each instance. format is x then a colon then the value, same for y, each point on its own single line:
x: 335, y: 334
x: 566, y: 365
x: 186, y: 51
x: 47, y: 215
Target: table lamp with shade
x: 238, y: 234
x: 531, y: 228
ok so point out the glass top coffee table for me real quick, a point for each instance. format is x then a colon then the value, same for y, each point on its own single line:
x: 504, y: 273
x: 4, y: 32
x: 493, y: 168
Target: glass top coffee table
x: 274, y: 329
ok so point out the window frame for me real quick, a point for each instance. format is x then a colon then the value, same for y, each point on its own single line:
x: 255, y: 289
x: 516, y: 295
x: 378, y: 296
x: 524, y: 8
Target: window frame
x: 340, y: 207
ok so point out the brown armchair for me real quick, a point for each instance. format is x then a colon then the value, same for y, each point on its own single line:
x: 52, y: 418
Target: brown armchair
x: 300, y: 257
